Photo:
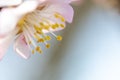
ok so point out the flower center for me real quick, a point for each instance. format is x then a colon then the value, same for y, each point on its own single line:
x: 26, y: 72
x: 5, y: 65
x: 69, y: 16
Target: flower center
x: 35, y: 28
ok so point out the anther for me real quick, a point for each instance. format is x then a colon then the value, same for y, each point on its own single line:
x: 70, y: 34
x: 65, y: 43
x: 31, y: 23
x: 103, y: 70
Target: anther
x: 38, y: 49
x: 47, y: 45
x: 47, y: 38
x: 62, y: 25
x: 59, y: 38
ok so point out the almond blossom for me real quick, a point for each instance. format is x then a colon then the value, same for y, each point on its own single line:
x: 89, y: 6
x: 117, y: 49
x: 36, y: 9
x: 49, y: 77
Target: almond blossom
x: 27, y: 23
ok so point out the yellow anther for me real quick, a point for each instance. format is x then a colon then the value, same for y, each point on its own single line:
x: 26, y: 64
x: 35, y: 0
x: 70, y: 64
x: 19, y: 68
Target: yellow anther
x: 62, y: 25
x: 54, y: 26
x: 39, y: 32
x: 57, y: 15
x: 62, y: 19
x: 46, y: 27
x: 47, y: 45
x: 57, y: 25
x: 38, y: 49
x: 37, y: 28
x: 59, y: 38
x: 40, y: 40
x: 47, y: 38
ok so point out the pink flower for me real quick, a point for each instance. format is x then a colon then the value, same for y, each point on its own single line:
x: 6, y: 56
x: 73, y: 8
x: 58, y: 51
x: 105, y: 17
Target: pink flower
x: 28, y: 22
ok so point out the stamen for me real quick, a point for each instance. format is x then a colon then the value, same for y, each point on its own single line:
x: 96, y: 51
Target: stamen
x: 59, y: 38
x: 62, y: 26
x: 55, y: 26
x: 38, y: 49
x: 47, y: 45
x: 57, y: 15
x: 47, y: 38
x: 33, y: 26
x: 40, y: 40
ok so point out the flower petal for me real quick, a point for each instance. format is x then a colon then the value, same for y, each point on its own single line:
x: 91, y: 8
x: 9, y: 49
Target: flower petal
x: 64, y: 9
x: 21, y: 47
x: 27, y: 7
x: 59, y: 1
x: 4, y: 3
x: 10, y: 16
x: 8, y: 20
x: 64, y: 1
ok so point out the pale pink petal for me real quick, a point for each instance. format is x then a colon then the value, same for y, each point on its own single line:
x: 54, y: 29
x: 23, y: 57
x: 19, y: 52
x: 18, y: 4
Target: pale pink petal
x: 59, y: 1
x: 64, y: 9
x: 74, y: 0
x: 64, y: 1
x: 4, y: 3
x: 21, y: 47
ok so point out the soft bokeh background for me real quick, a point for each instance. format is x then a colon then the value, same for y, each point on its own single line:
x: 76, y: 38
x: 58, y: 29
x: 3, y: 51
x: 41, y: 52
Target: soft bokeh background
x: 90, y: 50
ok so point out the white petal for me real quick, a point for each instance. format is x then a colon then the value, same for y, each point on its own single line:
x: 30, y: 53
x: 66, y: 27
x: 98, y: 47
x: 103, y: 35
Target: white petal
x: 10, y: 16
x: 8, y: 21
x: 4, y: 3
x: 27, y: 6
